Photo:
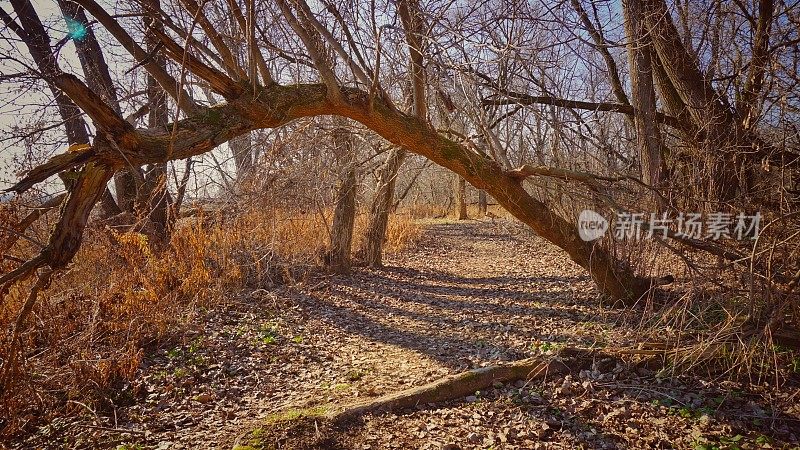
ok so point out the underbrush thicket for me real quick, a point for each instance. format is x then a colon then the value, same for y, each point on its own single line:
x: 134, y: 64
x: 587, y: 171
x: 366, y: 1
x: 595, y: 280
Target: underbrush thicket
x: 123, y: 295
x: 733, y: 309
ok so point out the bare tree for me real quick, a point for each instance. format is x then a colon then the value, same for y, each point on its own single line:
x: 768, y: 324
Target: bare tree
x: 332, y: 74
x: 275, y: 105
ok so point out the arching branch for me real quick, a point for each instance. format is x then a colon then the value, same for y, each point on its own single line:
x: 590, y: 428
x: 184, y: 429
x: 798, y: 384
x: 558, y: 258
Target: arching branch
x: 279, y: 104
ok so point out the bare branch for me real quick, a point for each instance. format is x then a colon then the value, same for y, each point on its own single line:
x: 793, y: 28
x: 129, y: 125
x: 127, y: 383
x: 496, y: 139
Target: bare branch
x: 315, y: 50
x: 229, y: 61
x: 333, y: 42
x: 167, y: 82
x: 219, y: 82
x: 516, y: 98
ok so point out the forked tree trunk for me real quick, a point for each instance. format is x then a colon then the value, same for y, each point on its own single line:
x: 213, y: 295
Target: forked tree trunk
x: 372, y: 248
x: 128, y: 181
x: 726, y: 143
x: 460, y: 194
x: 344, y: 213
x: 36, y: 39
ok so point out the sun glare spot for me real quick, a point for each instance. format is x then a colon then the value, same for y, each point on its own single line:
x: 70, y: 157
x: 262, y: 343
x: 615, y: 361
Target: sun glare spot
x: 76, y: 30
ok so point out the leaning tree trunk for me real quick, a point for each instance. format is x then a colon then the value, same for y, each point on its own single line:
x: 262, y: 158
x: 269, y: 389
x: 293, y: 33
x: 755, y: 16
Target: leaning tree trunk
x: 460, y: 194
x: 372, y: 249
x: 344, y: 213
x: 272, y: 106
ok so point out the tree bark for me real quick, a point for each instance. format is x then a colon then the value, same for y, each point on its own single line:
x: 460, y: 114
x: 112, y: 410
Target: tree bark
x: 90, y: 55
x: 278, y: 105
x: 242, y: 149
x: 372, y: 248
x: 344, y: 213
x: 724, y: 138
x: 648, y: 136
x: 460, y: 195
x: 155, y: 200
x: 37, y: 40
x: 483, y: 204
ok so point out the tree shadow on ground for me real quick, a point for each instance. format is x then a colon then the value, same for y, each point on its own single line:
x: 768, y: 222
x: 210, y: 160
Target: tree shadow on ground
x: 450, y: 318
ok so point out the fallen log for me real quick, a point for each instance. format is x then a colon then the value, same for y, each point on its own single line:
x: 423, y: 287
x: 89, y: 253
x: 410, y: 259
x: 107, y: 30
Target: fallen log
x: 450, y: 388
x: 445, y: 389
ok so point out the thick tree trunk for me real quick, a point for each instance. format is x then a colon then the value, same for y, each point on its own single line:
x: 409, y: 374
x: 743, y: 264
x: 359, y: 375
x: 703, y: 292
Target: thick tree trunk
x: 673, y: 105
x: 726, y: 144
x: 280, y: 104
x: 460, y: 194
x: 344, y: 213
x: 127, y: 189
x: 372, y: 248
x: 155, y: 205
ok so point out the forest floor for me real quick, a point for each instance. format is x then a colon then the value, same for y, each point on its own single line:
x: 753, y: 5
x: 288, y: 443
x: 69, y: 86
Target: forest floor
x: 470, y: 294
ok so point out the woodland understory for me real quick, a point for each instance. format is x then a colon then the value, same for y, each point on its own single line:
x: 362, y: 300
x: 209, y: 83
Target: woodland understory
x: 323, y: 224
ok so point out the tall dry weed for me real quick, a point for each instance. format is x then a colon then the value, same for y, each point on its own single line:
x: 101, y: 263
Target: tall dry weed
x: 120, y: 297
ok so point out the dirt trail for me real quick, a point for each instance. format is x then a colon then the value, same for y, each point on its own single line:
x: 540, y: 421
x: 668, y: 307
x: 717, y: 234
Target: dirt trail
x: 470, y: 294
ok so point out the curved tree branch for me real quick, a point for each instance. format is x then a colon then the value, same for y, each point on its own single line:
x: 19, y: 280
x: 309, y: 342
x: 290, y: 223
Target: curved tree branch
x: 277, y: 105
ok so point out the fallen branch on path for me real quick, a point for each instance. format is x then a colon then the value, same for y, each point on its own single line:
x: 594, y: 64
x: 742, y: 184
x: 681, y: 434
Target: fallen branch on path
x: 447, y: 388
x: 451, y: 387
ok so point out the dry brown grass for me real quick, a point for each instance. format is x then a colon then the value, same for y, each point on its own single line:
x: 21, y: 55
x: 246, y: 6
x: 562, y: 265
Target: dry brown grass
x: 91, y: 327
